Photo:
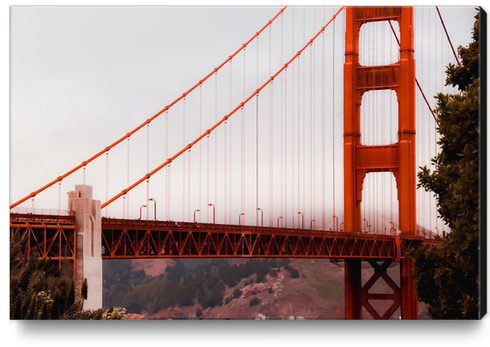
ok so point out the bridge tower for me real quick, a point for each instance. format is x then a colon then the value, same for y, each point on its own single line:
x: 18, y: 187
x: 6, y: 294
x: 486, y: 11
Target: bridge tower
x: 398, y: 158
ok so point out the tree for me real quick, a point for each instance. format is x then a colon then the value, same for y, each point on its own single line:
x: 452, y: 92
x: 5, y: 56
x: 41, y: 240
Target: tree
x: 38, y: 290
x: 294, y: 273
x: 448, y: 275
x: 254, y: 301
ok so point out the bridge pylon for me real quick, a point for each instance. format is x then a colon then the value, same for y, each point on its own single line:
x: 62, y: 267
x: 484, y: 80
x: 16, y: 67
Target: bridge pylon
x: 88, y: 262
x: 397, y: 158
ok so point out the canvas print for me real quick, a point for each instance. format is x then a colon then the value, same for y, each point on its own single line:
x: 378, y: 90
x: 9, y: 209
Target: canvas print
x: 247, y: 163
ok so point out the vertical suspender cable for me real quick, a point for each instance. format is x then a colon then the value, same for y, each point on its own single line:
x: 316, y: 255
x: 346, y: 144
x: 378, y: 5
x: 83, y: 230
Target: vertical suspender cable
x: 200, y: 147
x: 323, y: 129
x: 314, y: 124
x: 208, y: 149
x: 183, y: 160
x: 257, y: 159
x: 243, y: 135
x: 333, y: 122
x: 292, y: 125
x: 226, y: 172
x: 311, y: 132
x: 285, y: 150
x: 281, y: 114
x: 127, y: 177
x: 189, y: 186
x: 230, y: 136
x: 271, y: 134
x: 147, y: 169
x: 107, y: 182
x: 59, y: 197
x: 299, y: 142
x: 304, y: 114
x: 167, y: 173
x: 257, y: 143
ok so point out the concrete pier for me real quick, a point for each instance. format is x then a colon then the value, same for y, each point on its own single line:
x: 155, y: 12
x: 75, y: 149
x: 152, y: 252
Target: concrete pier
x: 88, y: 262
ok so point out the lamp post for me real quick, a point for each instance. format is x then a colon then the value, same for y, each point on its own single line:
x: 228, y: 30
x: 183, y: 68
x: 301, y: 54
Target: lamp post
x: 303, y: 223
x: 214, y: 212
x: 141, y: 207
x: 278, y: 220
x: 262, y: 217
x: 311, y: 223
x: 367, y: 224
x: 154, y: 207
x: 335, y: 225
x: 240, y: 218
x: 341, y: 226
x: 392, y: 228
x: 195, y: 211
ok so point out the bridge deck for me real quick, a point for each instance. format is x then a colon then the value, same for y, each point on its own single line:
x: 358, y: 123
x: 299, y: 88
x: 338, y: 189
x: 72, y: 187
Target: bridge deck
x: 122, y: 238
x: 53, y: 237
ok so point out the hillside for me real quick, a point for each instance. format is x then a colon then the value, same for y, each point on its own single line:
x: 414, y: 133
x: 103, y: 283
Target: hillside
x: 195, y: 289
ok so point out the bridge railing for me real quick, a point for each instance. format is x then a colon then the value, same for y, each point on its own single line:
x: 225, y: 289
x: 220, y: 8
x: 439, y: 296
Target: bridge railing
x: 26, y: 215
x: 41, y: 211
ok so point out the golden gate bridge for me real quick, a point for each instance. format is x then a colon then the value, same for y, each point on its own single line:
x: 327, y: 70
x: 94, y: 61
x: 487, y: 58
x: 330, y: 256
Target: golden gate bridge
x: 274, y: 153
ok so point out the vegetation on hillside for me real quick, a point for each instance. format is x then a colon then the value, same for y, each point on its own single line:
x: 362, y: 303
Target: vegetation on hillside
x: 448, y: 276
x: 181, y: 286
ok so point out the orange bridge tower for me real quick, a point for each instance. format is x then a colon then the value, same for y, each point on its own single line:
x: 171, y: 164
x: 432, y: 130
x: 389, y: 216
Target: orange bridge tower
x: 397, y: 158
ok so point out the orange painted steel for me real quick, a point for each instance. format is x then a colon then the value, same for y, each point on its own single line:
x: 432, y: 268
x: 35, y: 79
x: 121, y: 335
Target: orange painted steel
x: 398, y: 158
x: 60, y: 178
x: 207, y: 132
x: 53, y: 237
x: 122, y: 238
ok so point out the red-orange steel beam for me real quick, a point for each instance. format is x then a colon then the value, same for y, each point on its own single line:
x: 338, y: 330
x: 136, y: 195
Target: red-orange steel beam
x: 163, y: 239
x: 60, y: 178
x: 207, y: 132
x: 53, y: 237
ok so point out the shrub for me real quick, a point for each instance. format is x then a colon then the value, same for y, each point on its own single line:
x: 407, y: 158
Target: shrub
x: 270, y: 290
x: 294, y: 273
x: 283, y: 262
x: 237, y: 293
x: 255, y: 301
x: 198, y: 313
x: 273, y: 273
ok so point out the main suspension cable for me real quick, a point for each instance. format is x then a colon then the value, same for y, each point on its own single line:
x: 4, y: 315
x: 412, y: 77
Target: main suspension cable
x: 148, y: 120
x: 241, y: 105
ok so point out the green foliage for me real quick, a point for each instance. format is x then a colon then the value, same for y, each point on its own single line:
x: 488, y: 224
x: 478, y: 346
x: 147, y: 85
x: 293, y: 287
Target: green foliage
x: 447, y: 276
x: 283, y: 262
x: 198, y: 313
x: 294, y: 273
x: 237, y: 293
x: 175, y: 273
x: 205, y: 284
x: 270, y: 290
x: 39, y: 291
x: 255, y: 301
x: 84, y: 289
